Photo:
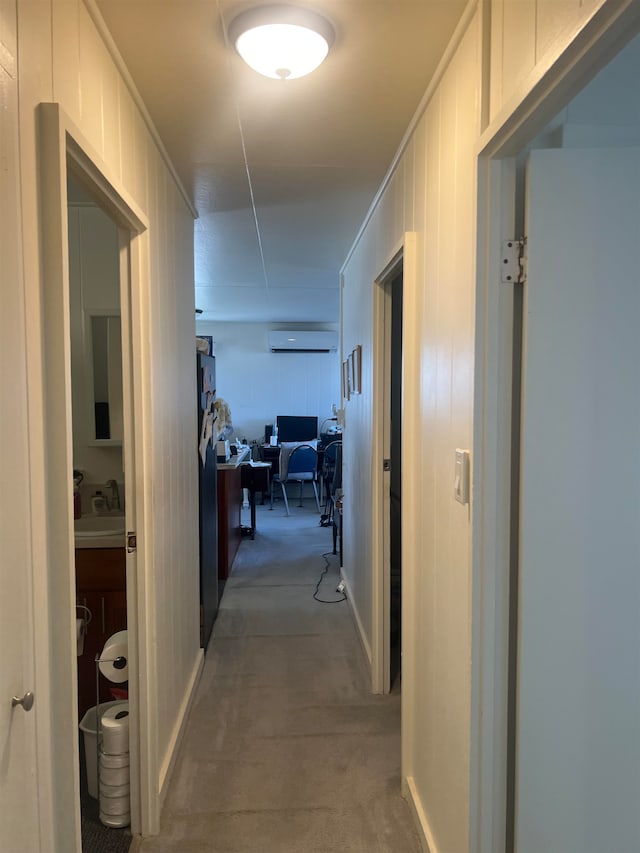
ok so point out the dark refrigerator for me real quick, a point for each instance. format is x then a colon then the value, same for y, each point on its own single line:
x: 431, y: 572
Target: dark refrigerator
x: 208, y: 504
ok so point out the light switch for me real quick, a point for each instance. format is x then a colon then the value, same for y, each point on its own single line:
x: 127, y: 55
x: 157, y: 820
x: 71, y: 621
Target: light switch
x: 461, y: 483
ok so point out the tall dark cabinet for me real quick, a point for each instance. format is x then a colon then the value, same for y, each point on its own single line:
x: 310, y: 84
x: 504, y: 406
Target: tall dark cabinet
x: 208, y: 509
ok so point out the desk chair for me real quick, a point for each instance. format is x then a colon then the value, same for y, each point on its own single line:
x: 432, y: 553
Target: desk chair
x: 298, y: 464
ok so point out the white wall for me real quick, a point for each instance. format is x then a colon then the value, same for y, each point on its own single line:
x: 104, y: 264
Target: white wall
x: 62, y: 57
x: 19, y: 810
x: 258, y: 385
x: 431, y: 192
x: 523, y: 37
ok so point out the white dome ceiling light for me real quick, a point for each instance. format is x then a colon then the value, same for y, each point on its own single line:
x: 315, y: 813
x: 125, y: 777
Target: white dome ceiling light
x: 280, y: 41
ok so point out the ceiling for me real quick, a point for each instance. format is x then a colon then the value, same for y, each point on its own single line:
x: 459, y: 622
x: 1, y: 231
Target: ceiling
x: 281, y: 173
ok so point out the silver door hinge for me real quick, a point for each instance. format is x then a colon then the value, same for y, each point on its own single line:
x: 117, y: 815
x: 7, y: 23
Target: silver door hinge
x: 386, y: 464
x: 132, y: 542
x: 514, y: 261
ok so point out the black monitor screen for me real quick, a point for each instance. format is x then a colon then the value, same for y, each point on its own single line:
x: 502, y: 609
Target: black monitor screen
x: 297, y: 427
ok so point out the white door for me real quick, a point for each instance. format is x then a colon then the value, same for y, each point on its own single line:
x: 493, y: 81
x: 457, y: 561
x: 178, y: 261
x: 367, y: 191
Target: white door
x: 19, y: 830
x: 578, y: 683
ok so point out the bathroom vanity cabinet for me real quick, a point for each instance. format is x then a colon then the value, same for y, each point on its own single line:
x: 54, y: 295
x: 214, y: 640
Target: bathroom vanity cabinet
x: 101, y: 585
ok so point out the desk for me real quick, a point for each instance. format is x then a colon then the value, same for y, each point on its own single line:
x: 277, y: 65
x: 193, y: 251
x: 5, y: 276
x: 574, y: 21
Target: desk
x: 229, y: 510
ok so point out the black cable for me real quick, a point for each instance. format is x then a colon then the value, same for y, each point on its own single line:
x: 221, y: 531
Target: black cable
x: 323, y: 573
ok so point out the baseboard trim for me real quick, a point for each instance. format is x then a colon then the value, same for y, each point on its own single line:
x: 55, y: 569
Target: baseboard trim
x: 419, y: 816
x: 366, y: 647
x: 177, y: 734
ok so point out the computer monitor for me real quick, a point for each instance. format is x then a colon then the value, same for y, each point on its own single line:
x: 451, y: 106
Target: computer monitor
x: 297, y: 427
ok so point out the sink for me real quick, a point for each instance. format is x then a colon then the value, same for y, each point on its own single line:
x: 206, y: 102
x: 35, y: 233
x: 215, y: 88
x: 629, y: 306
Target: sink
x: 98, y: 526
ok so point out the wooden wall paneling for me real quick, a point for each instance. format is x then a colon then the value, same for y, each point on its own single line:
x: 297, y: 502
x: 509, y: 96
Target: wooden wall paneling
x: 89, y: 81
x: 66, y: 63
x: 444, y: 195
x: 110, y: 114
x: 496, y: 36
x: 518, y: 48
x: 552, y: 17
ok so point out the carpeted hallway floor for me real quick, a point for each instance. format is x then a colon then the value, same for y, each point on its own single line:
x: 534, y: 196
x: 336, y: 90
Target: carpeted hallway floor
x: 286, y: 750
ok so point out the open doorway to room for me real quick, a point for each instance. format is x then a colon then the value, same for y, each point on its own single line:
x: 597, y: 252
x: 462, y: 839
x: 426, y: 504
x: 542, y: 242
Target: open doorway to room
x: 103, y: 435
x: 97, y: 276
x: 388, y: 481
x: 571, y: 192
x: 394, y: 367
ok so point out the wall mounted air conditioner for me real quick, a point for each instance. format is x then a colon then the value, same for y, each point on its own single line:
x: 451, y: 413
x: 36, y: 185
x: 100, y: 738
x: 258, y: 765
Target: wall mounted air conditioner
x: 302, y: 341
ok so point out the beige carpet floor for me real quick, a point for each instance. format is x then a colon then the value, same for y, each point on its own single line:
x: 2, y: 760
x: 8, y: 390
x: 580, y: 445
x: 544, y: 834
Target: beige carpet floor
x: 286, y: 749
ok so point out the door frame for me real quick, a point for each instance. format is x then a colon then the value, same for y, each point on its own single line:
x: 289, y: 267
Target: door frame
x: 495, y: 475
x: 62, y: 148
x: 405, y: 256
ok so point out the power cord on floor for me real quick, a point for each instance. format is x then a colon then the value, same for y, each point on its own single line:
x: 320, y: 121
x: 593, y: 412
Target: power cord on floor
x: 324, y: 571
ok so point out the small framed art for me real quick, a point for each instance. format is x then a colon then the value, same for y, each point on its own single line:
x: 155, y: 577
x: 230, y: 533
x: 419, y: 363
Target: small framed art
x: 357, y: 370
x: 346, y: 388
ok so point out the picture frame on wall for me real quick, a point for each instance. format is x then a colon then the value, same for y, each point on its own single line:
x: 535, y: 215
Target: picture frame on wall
x: 345, y: 380
x: 357, y: 370
x: 351, y: 376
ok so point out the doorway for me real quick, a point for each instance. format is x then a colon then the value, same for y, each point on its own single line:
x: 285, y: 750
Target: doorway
x: 394, y: 357
x: 63, y: 155
x: 578, y: 589
x: 389, y: 445
x: 571, y: 528
x: 96, y: 280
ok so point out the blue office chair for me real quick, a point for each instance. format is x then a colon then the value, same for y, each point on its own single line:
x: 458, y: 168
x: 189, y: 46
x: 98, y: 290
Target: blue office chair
x: 297, y: 465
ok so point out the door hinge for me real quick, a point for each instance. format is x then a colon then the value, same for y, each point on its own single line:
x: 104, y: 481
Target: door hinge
x: 386, y: 464
x: 514, y: 261
x: 132, y: 541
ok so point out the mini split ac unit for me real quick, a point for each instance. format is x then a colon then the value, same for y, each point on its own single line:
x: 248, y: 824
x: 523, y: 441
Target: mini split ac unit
x: 303, y: 341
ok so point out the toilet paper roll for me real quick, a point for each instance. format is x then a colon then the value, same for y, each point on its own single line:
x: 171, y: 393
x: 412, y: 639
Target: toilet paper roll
x: 115, y: 820
x: 114, y: 777
x: 114, y: 805
x: 114, y: 762
x: 115, y: 729
x: 108, y: 791
x: 114, y: 660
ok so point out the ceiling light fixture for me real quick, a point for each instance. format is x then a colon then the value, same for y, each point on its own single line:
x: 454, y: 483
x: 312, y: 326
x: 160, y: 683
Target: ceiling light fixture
x: 282, y: 42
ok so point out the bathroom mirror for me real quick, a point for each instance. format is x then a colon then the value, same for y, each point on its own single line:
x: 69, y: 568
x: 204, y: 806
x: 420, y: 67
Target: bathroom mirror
x: 104, y: 362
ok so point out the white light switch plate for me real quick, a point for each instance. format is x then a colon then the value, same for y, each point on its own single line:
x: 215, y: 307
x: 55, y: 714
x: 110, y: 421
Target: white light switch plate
x: 462, y: 476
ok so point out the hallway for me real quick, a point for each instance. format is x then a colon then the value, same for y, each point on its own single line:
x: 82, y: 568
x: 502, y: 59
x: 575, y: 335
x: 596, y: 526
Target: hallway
x: 286, y: 749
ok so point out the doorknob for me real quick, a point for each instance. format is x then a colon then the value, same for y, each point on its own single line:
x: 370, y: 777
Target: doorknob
x: 26, y: 701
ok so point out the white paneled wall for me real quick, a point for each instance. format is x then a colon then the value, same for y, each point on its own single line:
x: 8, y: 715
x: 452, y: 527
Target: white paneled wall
x: 19, y: 811
x: 65, y: 59
x: 526, y: 33
x: 258, y: 385
x: 432, y: 193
